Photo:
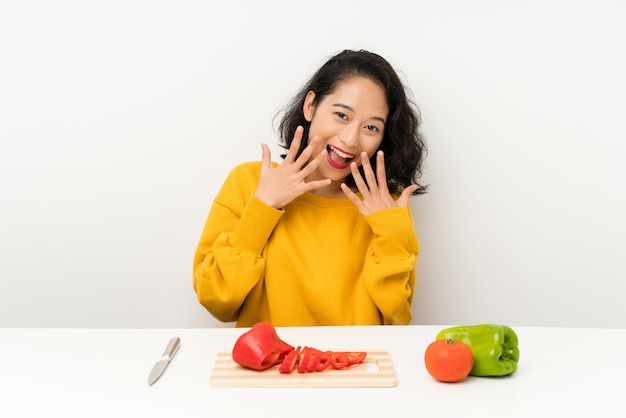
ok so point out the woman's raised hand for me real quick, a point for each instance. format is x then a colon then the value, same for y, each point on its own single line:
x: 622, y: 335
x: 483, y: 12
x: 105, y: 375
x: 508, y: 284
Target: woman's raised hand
x: 374, y: 188
x: 280, y: 185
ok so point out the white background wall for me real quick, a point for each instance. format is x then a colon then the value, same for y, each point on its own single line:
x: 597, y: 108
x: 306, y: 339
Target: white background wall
x: 119, y: 120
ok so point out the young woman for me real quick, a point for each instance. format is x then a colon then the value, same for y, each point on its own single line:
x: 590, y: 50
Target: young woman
x: 325, y: 237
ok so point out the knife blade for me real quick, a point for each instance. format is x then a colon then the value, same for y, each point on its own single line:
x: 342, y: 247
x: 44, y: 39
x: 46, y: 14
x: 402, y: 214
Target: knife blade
x: 160, y: 366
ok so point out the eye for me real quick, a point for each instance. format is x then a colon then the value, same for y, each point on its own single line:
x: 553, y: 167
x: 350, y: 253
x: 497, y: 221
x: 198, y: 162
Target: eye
x: 341, y: 115
x: 372, y: 128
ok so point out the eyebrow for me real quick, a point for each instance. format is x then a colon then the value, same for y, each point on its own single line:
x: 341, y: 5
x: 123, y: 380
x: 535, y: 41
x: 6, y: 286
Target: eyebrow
x: 352, y: 110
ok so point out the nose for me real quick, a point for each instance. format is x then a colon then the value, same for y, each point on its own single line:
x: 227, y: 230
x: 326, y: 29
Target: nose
x: 350, y: 135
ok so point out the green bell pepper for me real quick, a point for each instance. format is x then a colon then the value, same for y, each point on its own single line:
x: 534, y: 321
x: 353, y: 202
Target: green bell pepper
x: 494, y: 347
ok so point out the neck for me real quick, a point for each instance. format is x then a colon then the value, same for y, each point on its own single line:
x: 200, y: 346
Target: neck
x: 333, y: 190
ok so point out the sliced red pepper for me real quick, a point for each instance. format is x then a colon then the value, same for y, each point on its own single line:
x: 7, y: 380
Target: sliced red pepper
x: 326, y: 359
x: 340, y: 360
x: 314, y: 360
x: 355, y: 357
x: 309, y: 359
x: 290, y: 361
x: 260, y: 348
x: 305, y: 356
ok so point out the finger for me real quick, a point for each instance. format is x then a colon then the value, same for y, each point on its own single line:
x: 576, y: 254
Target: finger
x: 312, y: 145
x: 368, y: 171
x: 266, y: 156
x: 295, y: 145
x: 317, y: 184
x: 308, y: 151
x: 351, y: 195
x: 305, y: 158
x: 381, y: 173
x: 358, y: 180
x: 403, y: 200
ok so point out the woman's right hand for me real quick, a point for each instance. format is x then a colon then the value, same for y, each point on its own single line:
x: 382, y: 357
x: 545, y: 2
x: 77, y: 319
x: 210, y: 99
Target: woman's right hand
x: 279, y: 186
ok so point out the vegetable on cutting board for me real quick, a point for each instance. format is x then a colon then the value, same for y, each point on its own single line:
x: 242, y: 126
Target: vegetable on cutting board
x: 494, y: 347
x: 261, y: 348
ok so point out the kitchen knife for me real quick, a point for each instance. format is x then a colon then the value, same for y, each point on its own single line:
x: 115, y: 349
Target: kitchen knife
x: 160, y: 366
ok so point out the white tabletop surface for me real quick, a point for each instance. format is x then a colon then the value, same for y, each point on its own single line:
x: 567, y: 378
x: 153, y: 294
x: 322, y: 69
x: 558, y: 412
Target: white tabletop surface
x: 103, y: 373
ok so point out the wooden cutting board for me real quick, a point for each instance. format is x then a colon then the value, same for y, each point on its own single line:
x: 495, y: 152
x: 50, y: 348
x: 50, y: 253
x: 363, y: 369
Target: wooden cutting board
x: 376, y: 371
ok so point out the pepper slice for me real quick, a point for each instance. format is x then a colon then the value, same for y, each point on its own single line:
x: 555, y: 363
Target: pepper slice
x: 260, y: 348
x: 314, y: 360
x: 340, y: 360
x: 290, y: 361
x: 355, y: 357
x: 494, y: 347
x: 325, y: 361
x: 309, y: 359
x: 304, y: 359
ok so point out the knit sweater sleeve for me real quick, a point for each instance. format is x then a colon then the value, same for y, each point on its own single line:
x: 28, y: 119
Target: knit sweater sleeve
x: 229, y: 262
x: 391, y: 263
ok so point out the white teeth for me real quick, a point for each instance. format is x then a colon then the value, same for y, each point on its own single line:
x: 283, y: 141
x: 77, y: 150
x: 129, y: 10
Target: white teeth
x: 341, y: 154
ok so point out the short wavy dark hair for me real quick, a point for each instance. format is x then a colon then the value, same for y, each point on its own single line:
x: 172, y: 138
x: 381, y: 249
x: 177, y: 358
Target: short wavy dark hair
x: 403, y: 143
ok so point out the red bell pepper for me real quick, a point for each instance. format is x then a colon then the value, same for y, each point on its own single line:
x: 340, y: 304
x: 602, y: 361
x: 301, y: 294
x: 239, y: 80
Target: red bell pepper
x: 260, y: 348
x: 305, y: 359
x: 340, y: 360
x: 326, y: 359
x: 290, y: 361
x: 355, y: 357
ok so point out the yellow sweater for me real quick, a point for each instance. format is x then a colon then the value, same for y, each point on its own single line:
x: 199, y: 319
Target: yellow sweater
x: 318, y: 261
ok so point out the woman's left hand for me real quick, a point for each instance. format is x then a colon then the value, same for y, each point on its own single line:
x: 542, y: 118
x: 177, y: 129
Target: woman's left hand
x: 373, y: 188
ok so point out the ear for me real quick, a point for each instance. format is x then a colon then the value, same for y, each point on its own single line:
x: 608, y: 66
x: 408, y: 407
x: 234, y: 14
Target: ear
x: 308, y: 108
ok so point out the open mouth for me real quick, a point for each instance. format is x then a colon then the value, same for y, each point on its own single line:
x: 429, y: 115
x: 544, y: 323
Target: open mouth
x: 339, y: 158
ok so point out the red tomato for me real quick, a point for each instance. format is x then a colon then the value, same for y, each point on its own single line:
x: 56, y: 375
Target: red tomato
x: 448, y: 360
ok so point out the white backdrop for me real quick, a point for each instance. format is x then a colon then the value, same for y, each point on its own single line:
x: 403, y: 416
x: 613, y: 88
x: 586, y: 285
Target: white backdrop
x: 119, y: 119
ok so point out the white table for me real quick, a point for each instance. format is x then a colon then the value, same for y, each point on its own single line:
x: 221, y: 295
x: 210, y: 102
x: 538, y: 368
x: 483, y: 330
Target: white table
x: 103, y: 373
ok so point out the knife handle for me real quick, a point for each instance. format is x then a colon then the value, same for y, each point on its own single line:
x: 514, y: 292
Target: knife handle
x: 172, y: 347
